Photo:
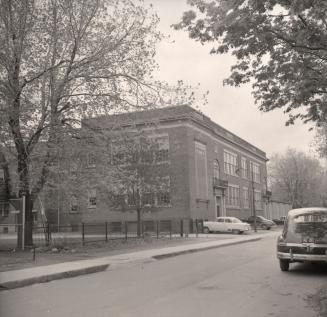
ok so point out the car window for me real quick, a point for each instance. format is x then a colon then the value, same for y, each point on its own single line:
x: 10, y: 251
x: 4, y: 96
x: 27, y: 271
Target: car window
x: 220, y: 220
x: 311, y: 226
x: 235, y: 220
x: 228, y: 220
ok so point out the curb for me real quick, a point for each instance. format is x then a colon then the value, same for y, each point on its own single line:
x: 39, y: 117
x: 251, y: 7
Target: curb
x: 50, y: 277
x: 172, y: 254
x: 102, y: 267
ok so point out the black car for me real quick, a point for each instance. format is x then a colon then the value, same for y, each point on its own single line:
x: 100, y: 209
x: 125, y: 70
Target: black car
x: 304, y: 237
x: 261, y: 222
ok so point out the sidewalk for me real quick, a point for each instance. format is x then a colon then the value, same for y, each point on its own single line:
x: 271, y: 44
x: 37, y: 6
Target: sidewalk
x: 25, y: 277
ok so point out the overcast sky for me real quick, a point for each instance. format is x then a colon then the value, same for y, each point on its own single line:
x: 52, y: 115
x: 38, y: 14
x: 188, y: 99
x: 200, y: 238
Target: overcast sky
x: 233, y: 108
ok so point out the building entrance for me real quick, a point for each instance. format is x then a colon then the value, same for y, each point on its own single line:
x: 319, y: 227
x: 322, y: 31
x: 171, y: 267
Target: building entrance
x: 218, y: 206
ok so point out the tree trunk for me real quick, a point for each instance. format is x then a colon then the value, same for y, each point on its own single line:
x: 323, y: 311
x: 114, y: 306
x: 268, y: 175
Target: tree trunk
x: 25, y: 191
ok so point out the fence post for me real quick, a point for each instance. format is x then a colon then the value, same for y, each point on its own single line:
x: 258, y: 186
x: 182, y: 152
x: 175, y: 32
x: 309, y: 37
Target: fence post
x: 106, y: 231
x: 182, y: 223
x: 157, y: 229
x: 126, y: 230
x: 83, y: 233
x: 170, y: 229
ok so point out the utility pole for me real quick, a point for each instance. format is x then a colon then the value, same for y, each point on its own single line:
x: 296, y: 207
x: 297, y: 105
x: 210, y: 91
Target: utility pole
x: 253, y: 200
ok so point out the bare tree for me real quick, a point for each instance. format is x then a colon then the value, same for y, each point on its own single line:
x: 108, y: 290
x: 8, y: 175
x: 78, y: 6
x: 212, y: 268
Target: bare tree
x: 137, y: 177
x: 296, y: 178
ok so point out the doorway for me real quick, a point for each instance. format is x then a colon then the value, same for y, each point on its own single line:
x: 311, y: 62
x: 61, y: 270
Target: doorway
x: 218, y: 206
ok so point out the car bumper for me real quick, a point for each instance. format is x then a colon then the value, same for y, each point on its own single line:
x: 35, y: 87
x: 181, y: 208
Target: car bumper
x: 302, y: 257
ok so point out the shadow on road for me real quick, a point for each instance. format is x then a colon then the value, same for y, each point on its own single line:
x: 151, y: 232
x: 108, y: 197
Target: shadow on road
x: 309, y: 269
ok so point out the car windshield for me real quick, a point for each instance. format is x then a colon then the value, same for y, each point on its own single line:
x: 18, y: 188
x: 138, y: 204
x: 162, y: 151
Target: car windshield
x: 312, y: 226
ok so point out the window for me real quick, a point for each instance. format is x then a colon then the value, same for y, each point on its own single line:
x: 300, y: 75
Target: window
x: 255, y: 172
x: 2, y: 176
x: 201, y: 170
x: 91, y: 160
x: 73, y: 204
x: 230, y: 163
x: 163, y: 198
x: 148, y: 199
x: 92, y: 198
x: 246, y: 203
x: 257, y: 199
x: 244, y: 167
x: 215, y: 170
x: 233, y: 196
x: 162, y: 151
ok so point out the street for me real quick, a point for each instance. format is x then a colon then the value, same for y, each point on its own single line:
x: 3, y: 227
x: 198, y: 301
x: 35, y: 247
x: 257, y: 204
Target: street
x: 242, y: 280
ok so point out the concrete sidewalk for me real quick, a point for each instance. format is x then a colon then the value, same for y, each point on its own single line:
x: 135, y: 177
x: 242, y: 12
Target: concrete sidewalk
x: 25, y: 277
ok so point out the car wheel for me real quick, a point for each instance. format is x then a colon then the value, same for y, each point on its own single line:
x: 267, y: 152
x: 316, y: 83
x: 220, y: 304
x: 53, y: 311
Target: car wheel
x: 206, y: 230
x: 264, y: 227
x: 235, y: 231
x: 240, y: 232
x: 284, y: 265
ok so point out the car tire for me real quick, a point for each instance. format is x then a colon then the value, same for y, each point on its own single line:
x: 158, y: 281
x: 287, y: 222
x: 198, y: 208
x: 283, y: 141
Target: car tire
x: 240, y: 232
x: 206, y: 230
x: 235, y: 231
x: 264, y: 227
x: 284, y: 265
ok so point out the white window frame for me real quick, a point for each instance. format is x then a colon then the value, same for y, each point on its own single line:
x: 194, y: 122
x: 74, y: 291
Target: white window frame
x: 255, y: 172
x: 91, y: 193
x: 244, y: 167
x: 258, y: 199
x: 73, y: 203
x: 246, y: 198
x: 162, y: 146
x: 233, y: 197
x: 230, y: 163
x: 91, y: 160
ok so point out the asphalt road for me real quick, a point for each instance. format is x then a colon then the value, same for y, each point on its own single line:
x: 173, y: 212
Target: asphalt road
x: 241, y: 280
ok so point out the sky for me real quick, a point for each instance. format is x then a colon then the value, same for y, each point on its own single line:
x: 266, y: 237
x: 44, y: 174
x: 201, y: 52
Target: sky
x: 181, y: 58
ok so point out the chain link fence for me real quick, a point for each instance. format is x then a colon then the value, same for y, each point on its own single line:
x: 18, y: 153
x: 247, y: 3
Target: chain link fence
x: 53, y: 235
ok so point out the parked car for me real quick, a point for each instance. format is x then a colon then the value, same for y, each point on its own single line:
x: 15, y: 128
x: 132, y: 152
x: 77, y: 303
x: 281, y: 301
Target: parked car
x: 261, y: 222
x: 304, y: 237
x: 279, y: 221
x: 226, y: 224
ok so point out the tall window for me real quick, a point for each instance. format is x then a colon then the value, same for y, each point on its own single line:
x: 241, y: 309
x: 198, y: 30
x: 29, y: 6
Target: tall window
x: 2, y: 175
x: 244, y: 167
x: 255, y: 172
x: 215, y: 170
x: 233, y: 196
x: 162, y: 151
x: 148, y: 199
x: 257, y: 199
x: 73, y: 204
x: 230, y: 163
x: 91, y: 160
x: 246, y: 203
x: 163, y: 197
x: 201, y: 170
x: 92, y: 198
